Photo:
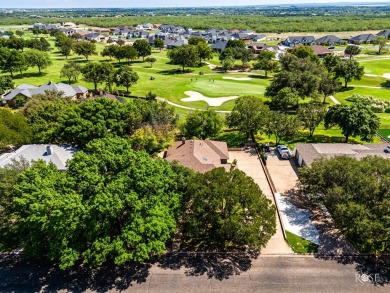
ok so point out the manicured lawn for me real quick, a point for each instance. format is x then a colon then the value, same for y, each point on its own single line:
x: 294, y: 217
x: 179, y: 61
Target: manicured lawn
x: 375, y: 64
x: 385, y: 133
x: 385, y: 119
x: 300, y: 245
x: 381, y: 93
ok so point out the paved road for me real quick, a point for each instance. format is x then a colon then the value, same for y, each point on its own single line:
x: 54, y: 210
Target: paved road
x: 249, y: 163
x: 265, y: 274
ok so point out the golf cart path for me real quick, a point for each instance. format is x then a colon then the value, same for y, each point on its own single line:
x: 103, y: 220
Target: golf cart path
x: 187, y: 108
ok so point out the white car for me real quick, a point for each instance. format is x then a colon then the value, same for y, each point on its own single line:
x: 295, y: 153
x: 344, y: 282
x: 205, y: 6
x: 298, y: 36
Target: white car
x: 387, y: 149
x: 284, y: 151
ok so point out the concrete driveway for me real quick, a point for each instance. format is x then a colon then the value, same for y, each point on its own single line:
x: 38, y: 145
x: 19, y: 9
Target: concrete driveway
x: 248, y: 162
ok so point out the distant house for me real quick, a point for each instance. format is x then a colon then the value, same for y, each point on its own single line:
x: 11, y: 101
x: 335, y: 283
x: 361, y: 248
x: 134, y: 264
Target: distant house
x: 384, y: 33
x: 27, y: 91
x: 307, y: 153
x: 145, y: 26
x: 362, y: 39
x: 219, y: 46
x: 57, y: 154
x: 329, y: 40
x: 256, y: 47
x: 68, y: 31
x: 296, y: 40
x: 96, y: 36
x: 321, y: 51
x: 171, y: 44
x: 199, y: 155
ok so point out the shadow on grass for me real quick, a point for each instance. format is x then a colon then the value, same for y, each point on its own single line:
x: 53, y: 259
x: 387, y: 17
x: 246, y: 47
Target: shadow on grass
x: 259, y: 76
x: 233, y: 139
x: 30, y: 74
x: 321, y: 138
x: 175, y: 71
x: 386, y: 84
x: 215, y: 265
x: 20, y: 275
x: 376, y: 269
x: 346, y: 89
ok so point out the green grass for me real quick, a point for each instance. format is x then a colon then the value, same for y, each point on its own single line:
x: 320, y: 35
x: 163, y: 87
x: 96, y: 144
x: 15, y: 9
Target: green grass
x: 385, y: 133
x: 300, y: 245
x: 385, y: 120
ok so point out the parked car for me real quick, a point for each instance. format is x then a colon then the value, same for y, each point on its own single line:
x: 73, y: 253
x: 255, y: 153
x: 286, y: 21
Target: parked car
x: 387, y: 149
x: 284, y: 151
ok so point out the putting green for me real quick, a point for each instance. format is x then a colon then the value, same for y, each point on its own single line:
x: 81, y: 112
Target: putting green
x: 225, y: 88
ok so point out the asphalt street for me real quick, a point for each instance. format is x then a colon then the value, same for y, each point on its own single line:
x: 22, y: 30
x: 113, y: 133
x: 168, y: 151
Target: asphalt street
x: 201, y: 273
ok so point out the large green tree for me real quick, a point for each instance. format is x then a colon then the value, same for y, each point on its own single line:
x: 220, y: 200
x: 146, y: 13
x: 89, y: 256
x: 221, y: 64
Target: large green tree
x: 186, y: 55
x: 101, y: 210
x: 202, y: 124
x: 349, y: 70
x: 265, y: 62
x: 354, y: 120
x: 85, y: 49
x: 302, y: 75
x: 311, y: 115
x: 249, y: 116
x: 126, y: 77
x: 14, y: 129
x: 357, y: 194
x: 71, y: 71
x: 282, y: 126
x: 143, y: 48
x: 352, y: 50
x: 225, y: 211
x: 381, y: 43
x: 93, y: 72
x: 6, y: 84
x: 39, y: 59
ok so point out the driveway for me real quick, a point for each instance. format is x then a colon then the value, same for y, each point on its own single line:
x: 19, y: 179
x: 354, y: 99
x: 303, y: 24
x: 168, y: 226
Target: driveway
x: 248, y: 162
x: 285, y: 178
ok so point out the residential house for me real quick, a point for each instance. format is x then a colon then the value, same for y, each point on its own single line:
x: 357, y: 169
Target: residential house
x: 27, y: 91
x: 256, y: 47
x: 321, y: 51
x: 68, y: 31
x: 219, y: 46
x: 384, y: 33
x: 56, y: 154
x: 329, y: 40
x: 299, y: 40
x: 96, y: 36
x: 199, y: 155
x: 362, y: 39
x: 145, y: 26
x: 307, y: 153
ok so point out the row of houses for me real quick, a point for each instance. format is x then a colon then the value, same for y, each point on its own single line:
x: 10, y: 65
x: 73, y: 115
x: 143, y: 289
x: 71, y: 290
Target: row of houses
x: 331, y: 40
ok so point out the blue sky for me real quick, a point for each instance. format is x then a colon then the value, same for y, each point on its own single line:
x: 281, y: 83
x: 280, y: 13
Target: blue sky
x: 153, y: 3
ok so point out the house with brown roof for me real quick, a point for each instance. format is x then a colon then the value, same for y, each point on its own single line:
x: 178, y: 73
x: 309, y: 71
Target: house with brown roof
x: 321, y: 51
x: 199, y: 155
x: 307, y: 153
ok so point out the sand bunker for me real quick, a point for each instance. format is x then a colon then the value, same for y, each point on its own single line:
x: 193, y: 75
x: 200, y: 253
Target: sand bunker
x: 386, y: 75
x: 215, y: 102
x: 236, y: 78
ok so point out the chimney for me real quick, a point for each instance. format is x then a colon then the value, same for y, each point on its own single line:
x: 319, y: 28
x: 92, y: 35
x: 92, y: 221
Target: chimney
x: 183, y: 140
x: 49, y: 150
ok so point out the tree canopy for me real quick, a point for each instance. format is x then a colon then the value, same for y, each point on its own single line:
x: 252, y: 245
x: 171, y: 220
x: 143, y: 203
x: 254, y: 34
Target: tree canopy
x: 202, y: 124
x: 356, y: 193
x: 102, y: 209
x: 14, y: 129
x: 225, y: 211
x: 356, y: 119
x: 248, y: 115
x: 186, y: 55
